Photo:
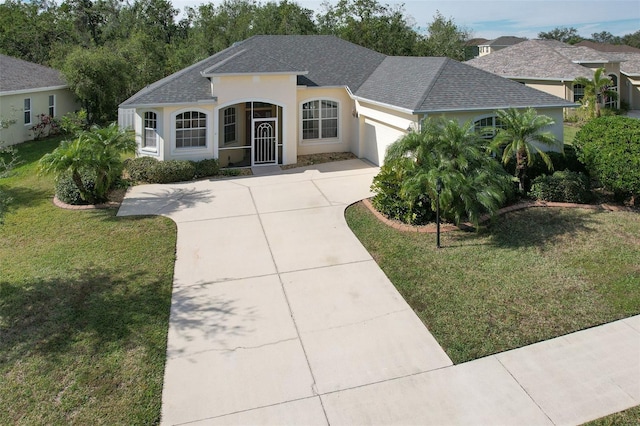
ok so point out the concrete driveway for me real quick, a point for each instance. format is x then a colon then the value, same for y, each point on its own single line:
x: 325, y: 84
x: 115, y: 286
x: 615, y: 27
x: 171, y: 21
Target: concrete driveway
x: 280, y: 316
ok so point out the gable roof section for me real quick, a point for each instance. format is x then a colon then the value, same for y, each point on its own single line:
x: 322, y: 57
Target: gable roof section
x: 435, y: 85
x: 535, y: 59
x: 317, y: 60
x: 17, y: 75
x: 606, y: 47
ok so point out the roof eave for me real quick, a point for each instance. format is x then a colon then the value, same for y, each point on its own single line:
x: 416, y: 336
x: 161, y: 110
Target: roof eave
x: 438, y: 111
x: 382, y: 104
x: 32, y: 90
x: 211, y: 101
x: 244, y: 74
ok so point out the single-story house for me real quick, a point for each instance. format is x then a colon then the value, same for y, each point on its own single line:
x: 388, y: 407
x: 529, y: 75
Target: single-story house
x: 491, y: 46
x: 27, y: 91
x: 268, y: 99
x: 552, y: 66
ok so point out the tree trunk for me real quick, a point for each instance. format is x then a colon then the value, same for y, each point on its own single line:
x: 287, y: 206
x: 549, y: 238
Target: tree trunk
x: 84, y: 194
x: 521, y: 169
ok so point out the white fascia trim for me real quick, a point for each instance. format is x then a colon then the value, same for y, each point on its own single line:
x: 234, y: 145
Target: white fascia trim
x: 560, y: 79
x: 34, y: 90
x: 303, y: 87
x: 630, y: 74
x: 600, y: 61
x: 382, y: 104
x: 211, y: 101
x: 440, y: 111
x: 250, y: 74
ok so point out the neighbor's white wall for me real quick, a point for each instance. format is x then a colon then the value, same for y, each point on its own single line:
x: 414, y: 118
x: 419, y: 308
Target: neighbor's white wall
x: 12, y: 107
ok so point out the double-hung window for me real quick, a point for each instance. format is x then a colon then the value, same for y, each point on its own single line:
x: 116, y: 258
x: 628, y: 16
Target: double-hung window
x: 578, y: 92
x: 191, y: 130
x: 229, y: 125
x: 150, y: 140
x: 52, y: 106
x: 27, y: 111
x: 320, y: 119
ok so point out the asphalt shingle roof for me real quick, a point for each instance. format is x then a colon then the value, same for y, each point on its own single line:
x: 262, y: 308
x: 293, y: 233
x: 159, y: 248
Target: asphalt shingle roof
x: 413, y: 83
x: 504, y: 41
x: 16, y: 74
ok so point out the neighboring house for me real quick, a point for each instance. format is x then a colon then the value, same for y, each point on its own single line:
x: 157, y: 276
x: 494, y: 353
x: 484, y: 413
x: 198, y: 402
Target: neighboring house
x: 629, y: 70
x: 268, y: 99
x: 499, y: 43
x: 552, y: 66
x: 472, y: 47
x: 28, y: 90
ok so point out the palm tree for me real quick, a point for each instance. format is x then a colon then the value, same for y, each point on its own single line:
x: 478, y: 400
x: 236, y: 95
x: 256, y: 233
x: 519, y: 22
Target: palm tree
x: 473, y: 182
x: 97, y: 151
x: 597, y: 90
x: 519, y: 136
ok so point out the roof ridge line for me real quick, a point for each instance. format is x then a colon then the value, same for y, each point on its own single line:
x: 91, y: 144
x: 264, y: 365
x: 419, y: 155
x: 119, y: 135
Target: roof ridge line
x: 428, y: 90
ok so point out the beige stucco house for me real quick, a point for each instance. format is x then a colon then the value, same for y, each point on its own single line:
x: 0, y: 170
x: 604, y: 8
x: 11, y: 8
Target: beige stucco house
x: 491, y: 46
x: 552, y: 66
x: 27, y: 91
x: 268, y: 99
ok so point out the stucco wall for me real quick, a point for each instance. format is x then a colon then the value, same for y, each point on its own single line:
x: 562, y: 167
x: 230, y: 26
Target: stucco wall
x: 630, y: 91
x: 12, y: 107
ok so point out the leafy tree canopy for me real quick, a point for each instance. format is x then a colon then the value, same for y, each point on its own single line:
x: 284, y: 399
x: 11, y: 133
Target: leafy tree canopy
x: 563, y: 34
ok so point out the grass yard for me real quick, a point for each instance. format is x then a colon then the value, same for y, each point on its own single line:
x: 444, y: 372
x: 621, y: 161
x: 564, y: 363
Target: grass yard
x: 84, y: 308
x: 530, y: 276
x: 570, y: 133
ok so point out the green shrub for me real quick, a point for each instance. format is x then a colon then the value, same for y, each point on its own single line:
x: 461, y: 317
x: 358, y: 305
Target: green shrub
x: 206, y: 168
x: 561, y: 161
x: 563, y: 186
x: 171, y: 171
x: 138, y: 168
x: 230, y: 172
x: 610, y: 149
x: 390, y: 202
x: 67, y: 191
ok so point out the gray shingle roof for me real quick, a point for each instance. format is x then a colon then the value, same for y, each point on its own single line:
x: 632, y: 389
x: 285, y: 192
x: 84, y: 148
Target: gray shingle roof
x: 429, y: 85
x: 606, y: 47
x: 504, y: 41
x: 324, y: 61
x: 413, y: 83
x: 16, y: 74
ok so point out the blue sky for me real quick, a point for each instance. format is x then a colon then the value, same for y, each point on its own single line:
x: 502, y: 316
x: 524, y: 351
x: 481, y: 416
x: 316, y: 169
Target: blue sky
x: 523, y: 18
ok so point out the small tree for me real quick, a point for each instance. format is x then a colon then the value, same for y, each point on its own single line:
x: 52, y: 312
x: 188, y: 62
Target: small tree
x: 610, y: 148
x: 473, y: 182
x: 596, y: 91
x: 96, y: 151
x: 518, y: 136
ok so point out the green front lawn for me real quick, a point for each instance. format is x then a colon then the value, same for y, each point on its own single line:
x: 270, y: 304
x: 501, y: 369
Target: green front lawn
x: 84, y: 308
x: 532, y: 275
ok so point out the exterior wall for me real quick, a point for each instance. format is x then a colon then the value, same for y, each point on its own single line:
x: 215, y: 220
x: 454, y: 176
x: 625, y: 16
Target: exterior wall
x: 379, y: 127
x: 347, y: 123
x: 630, y: 91
x: 12, y: 107
x: 557, y: 129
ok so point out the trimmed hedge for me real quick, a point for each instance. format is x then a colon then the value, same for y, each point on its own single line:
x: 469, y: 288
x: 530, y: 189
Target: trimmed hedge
x: 67, y: 191
x: 610, y: 148
x: 150, y: 170
x: 563, y: 186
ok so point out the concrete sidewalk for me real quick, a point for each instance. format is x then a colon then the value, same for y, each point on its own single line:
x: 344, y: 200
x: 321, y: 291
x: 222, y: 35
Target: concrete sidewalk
x: 280, y: 316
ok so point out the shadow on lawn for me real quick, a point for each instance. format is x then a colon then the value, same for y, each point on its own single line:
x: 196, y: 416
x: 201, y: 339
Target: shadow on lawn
x: 26, y: 197
x: 540, y: 227
x: 92, y: 308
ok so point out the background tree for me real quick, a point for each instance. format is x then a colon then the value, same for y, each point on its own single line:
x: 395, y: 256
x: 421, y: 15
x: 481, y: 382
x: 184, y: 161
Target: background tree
x: 606, y: 37
x: 444, y: 38
x: 564, y: 34
x: 283, y: 18
x: 519, y: 137
x: 370, y: 24
x: 596, y: 91
x: 632, y: 39
x: 473, y: 182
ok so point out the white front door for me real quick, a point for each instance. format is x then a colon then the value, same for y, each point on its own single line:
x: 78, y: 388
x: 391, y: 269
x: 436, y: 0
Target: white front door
x: 264, y: 133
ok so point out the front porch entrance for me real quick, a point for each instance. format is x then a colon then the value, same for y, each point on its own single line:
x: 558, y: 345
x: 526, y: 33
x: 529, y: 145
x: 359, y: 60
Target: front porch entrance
x: 250, y: 134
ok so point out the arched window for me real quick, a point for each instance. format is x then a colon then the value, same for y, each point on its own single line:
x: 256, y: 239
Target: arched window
x: 320, y: 119
x: 150, y: 139
x: 578, y: 92
x: 486, y: 126
x: 191, y: 130
x: 609, y: 101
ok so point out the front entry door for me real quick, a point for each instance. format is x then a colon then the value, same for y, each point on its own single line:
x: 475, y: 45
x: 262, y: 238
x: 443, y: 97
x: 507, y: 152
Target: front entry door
x: 265, y: 141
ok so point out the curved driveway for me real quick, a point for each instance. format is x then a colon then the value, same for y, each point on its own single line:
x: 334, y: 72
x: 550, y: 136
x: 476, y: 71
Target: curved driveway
x: 280, y: 316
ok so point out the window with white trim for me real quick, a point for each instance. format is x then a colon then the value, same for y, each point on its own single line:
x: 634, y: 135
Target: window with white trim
x: 229, y: 116
x: 487, y: 127
x: 578, y: 92
x: 52, y: 106
x: 320, y: 119
x: 191, y: 130
x: 150, y: 139
x: 27, y: 111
